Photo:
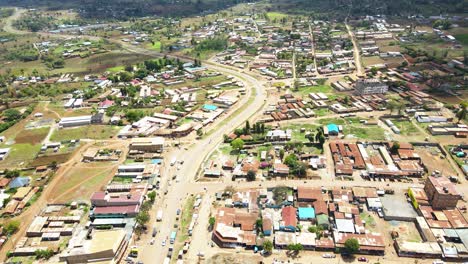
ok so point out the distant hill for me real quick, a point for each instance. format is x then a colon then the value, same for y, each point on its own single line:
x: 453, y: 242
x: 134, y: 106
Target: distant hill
x: 124, y: 9
x: 373, y: 7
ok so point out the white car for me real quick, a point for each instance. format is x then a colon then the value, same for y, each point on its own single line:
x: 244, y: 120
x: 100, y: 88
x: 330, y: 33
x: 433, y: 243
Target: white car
x: 328, y: 256
x: 164, y: 243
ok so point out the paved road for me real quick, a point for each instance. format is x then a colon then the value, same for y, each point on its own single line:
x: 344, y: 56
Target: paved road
x: 193, y: 159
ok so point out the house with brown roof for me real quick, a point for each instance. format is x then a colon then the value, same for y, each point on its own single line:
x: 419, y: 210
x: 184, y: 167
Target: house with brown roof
x: 234, y: 228
x: 309, y: 194
x: 289, y: 219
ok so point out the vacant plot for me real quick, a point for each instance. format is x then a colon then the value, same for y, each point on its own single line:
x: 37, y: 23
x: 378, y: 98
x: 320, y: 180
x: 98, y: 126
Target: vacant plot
x: 77, y: 112
x: 434, y: 160
x: 81, y: 182
x: 367, y: 132
x: 372, y: 60
x: 32, y: 136
x: 406, y: 127
x: 46, y: 160
x: 406, y: 230
x: 20, y: 154
x: 85, y: 132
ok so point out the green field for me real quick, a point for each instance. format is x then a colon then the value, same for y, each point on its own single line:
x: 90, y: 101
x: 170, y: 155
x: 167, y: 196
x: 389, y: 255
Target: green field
x: 304, y: 91
x: 116, y: 69
x: 462, y: 38
x: 85, y: 132
x: 156, y: 46
x: 406, y: 127
x: 20, y: 153
x: 275, y: 15
x: 368, y: 132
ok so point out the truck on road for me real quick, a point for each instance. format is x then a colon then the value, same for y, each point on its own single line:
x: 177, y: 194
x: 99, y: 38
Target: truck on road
x: 159, y: 215
x: 173, y: 237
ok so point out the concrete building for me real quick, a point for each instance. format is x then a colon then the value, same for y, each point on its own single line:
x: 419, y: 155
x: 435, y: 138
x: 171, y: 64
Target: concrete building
x: 104, y: 246
x: 370, y: 86
x: 441, y: 193
x: 154, y: 144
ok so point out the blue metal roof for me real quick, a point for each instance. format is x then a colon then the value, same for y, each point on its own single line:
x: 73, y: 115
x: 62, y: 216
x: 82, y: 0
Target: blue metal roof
x: 210, y: 107
x: 306, y: 212
x: 333, y: 127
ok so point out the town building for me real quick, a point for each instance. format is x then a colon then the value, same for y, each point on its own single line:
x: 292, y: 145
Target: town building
x: 370, y: 86
x: 441, y: 193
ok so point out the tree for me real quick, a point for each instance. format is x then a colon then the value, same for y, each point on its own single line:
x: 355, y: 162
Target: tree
x: 295, y: 247
x: 212, y: 221
x: 352, y: 245
x: 461, y: 114
x: 237, y: 144
x: 290, y: 160
x: 395, y: 147
x: 11, y: 115
x: 141, y: 219
x: 11, y: 173
x: 11, y: 227
x: 251, y: 175
x: 44, y: 254
x: 200, y: 132
x: 152, y: 196
x: 267, y: 245
x: 247, y: 128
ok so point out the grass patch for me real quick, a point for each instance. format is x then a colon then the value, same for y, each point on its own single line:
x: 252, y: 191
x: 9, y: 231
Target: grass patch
x: 88, y: 132
x: 225, y: 149
x: 275, y: 15
x: 156, y: 46
x: 462, y: 38
x: 297, y: 135
x: 116, y: 69
x: 370, y: 221
x: 20, y: 153
x: 369, y: 132
x: 406, y: 127
x: 186, y: 218
x: 304, y: 91
x: 322, y: 111
x: 32, y: 136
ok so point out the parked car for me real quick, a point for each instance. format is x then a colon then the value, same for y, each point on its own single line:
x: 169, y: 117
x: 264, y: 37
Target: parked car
x: 154, y: 232
x: 164, y: 243
x: 328, y: 255
x: 362, y: 259
x: 178, y: 212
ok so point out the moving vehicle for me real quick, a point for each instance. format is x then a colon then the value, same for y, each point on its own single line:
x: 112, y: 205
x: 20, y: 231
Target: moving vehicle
x: 134, y: 252
x: 173, y: 161
x: 173, y: 237
x: 159, y: 215
x: 163, y: 243
x: 154, y: 232
x: 328, y: 255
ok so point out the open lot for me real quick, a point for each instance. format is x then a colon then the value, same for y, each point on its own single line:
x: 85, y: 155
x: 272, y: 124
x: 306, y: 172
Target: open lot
x: 88, y: 132
x: 32, y: 136
x: 82, y: 181
x: 434, y: 160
